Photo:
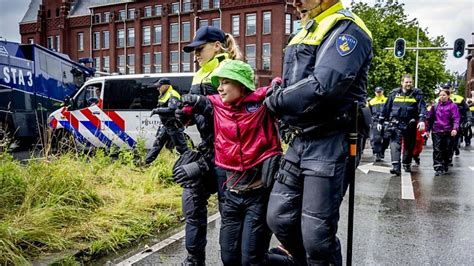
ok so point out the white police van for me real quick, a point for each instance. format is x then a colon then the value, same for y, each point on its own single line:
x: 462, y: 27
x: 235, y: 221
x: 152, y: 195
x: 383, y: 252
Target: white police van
x: 114, y: 110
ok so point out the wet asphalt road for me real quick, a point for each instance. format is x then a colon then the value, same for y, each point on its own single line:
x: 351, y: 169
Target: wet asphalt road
x: 434, y: 228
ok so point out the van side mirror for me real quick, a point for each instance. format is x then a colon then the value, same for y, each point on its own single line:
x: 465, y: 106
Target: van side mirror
x: 67, y: 100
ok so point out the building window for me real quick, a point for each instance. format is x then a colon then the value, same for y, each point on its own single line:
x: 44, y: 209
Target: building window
x: 174, y: 32
x: 251, y: 27
x: 287, y: 24
x: 157, y: 34
x: 216, y: 3
x: 58, y: 43
x: 186, y: 32
x: 106, y: 17
x: 266, y: 53
x: 267, y: 22
x: 106, y: 64
x: 186, y: 6
x: 96, y: 40
x: 157, y: 61
x: 121, y: 64
x: 235, y: 25
x: 31, y: 40
x: 216, y: 22
x: 146, y: 38
x: 147, y: 12
x: 131, y: 64
x: 106, y: 39
x: 106, y: 67
x: 80, y: 41
x: 174, y: 8
x: 146, y: 63
x: 158, y: 9
x: 121, y: 15
x: 250, y: 53
x: 205, y: 4
x: 174, y: 63
x: 57, y: 12
x: 50, y: 43
x: 186, y: 62
x: 131, y: 37
x: 131, y: 13
x: 97, y: 18
x: 120, y: 38
x: 97, y: 63
x: 203, y: 23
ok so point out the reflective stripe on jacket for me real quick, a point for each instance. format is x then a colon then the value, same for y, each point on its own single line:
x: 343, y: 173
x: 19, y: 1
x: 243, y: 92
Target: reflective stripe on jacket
x: 404, y: 106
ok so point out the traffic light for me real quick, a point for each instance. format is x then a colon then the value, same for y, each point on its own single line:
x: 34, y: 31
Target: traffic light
x: 459, y: 45
x: 399, y: 48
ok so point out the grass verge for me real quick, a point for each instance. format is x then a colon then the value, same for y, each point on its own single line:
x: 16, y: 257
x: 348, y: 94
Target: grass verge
x: 93, y: 204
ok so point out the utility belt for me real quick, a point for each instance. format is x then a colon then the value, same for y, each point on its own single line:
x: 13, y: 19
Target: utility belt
x: 324, y: 129
x: 251, y: 191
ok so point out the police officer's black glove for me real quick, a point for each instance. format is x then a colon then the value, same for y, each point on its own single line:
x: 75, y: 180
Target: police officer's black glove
x: 190, y: 99
x: 189, y: 175
x: 154, y: 112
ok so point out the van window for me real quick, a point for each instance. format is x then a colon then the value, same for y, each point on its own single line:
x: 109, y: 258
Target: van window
x: 138, y: 93
x: 128, y: 94
x: 88, y: 96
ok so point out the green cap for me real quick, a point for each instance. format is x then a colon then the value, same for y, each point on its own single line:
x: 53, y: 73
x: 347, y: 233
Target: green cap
x: 235, y: 70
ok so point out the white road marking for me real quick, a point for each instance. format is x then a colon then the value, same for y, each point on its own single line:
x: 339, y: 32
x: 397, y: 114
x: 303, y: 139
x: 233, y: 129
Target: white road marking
x: 407, y: 187
x: 376, y: 168
x: 150, y: 250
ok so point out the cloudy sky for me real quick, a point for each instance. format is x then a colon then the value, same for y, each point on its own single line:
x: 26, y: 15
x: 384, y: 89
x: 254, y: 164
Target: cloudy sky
x: 453, y: 19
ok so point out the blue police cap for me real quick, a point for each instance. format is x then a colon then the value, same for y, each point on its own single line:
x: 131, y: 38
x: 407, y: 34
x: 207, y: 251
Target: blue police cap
x: 163, y: 81
x: 204, y: 35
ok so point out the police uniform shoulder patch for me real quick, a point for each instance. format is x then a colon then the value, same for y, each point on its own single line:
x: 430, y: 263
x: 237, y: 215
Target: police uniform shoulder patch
x: 345, y: 44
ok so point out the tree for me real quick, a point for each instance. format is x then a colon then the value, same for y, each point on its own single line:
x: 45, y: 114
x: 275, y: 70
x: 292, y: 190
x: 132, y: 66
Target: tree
x: 387, y: 21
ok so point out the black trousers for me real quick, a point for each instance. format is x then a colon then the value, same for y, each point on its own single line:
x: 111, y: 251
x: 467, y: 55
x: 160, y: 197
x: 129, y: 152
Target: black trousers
x: 407, y: 133
x: 244, y: 235
x: 163, y: 135
x: 303, y: 209
x: 194, y: 205
x: 442, y: 150
x: 377, y: 140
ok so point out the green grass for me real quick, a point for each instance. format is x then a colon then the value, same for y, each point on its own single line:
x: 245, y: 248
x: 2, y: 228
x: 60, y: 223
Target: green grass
x: 93, y: 204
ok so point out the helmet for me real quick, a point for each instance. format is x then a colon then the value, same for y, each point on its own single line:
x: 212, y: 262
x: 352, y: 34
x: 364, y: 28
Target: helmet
x: 378, y: 89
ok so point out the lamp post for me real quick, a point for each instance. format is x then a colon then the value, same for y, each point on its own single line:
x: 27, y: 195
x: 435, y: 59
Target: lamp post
x: 416, y: 60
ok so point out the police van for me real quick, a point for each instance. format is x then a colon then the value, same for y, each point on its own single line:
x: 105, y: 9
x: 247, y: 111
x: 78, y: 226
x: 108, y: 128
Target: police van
x: 114, y: 110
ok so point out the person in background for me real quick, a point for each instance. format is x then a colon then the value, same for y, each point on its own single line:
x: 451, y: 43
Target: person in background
x: 247, y: 146
x: 170, y: 128
x: 378, y: 141
x: 211, y: 47
x: 443, y: 122
x: 324, y: 72
x: 405, y: 110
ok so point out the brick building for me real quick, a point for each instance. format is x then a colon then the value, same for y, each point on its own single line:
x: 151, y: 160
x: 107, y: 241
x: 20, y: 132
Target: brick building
x: 148, y: 36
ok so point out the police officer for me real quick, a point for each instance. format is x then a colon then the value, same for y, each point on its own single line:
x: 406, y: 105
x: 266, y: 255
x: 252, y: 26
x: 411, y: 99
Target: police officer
x: 378, y: 141
x: 170, y: 129
x: 211, y: 47
x: 405, y: 110
x: 325, y: 70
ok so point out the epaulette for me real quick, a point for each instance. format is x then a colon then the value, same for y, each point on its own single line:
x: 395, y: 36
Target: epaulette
x: 346, y: 13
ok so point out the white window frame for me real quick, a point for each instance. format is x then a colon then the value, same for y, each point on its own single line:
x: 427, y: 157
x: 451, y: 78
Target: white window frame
x: 236, y: 25
x: 250, y: 18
